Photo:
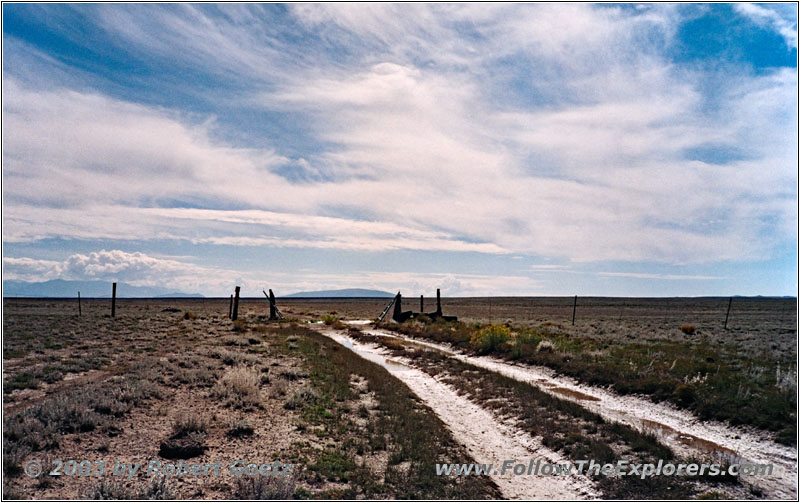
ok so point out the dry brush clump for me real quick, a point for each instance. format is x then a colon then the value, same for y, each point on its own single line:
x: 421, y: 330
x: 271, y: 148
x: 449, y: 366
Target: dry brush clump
x: 239, y: 387
x: 111, y: 489
x: 234, y: 358
x: 261, y: 487
x: 188, y: 437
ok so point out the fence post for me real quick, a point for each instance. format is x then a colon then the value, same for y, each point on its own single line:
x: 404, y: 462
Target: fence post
x: 421, y: 305
x: 79, y: 303
x: 273, y: 309
x: 574, y: 305
x: 235, y: 314
x: 730, y: 300
x: 114, y: 300
x: 230, y: 307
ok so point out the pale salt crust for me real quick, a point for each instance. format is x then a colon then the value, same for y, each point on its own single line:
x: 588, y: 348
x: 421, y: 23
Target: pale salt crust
x: 486, y: 438
x: 679, y: 429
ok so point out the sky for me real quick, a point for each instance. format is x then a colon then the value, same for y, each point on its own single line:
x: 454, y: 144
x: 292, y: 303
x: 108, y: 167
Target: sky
x: 484, y: 149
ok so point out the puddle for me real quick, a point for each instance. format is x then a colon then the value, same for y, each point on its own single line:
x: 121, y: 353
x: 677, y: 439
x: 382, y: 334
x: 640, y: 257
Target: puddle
x: 700, y: 444
x: 577, y: 395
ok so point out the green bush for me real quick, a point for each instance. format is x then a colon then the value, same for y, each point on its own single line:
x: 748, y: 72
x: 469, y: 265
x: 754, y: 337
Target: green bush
x: 491, y: 338
x: 685, y: 394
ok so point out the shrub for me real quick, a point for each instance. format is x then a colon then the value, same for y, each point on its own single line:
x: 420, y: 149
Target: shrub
x: 685, y: 394
x: 187, y: 423
x: 688, y: 329
x: 240, y: 326
x: 298, y: 399
x: 330, y: 319
x: 188, y: 315
x: 263, y: 487
x: 107, y: 489
x: 241, y: 428
x: 239, y: 387
x: 545, y: 347
x: 491, y: 338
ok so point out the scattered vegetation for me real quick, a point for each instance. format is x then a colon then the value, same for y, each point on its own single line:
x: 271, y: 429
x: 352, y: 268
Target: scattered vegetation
x: 239, y: 388
x: 399, y: 425
x: 490, y: 339
x: 113, y: 489
x: 262, y: 487
x: 714, y: 381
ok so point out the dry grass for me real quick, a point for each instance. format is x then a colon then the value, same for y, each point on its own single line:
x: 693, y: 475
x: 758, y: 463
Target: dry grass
x: 239, y: 387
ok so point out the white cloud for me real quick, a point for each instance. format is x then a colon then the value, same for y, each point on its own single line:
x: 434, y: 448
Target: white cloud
x: 142, y: 269
x: 28, y: 269
x: 574, y: 148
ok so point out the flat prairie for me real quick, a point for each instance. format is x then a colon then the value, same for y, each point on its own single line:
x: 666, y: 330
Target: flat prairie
x: 367, y: 413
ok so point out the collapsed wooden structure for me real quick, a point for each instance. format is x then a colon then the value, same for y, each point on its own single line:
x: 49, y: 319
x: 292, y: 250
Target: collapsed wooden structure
x: 274, y: 312
x: 400, y: 316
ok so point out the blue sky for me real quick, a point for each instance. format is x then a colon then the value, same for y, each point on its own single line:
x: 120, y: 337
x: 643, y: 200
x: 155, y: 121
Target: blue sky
x: 485, y: 149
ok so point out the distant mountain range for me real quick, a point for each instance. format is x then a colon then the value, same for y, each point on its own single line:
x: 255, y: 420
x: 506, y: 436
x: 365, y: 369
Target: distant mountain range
x: 65, y: 288
x: 346, y: 292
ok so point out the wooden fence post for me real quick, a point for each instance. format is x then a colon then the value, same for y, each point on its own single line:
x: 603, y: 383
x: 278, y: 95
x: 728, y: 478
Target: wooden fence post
x: 273, y: 309
x: 574, y: 305
x: 79, y: 303
x: 730, y: 300
x: 230, y: 307
x: 113, y: 299
x: 235, y: 314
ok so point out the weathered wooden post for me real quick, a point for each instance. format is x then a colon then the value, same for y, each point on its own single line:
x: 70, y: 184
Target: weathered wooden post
x: 421, y: 305
x: 79, y: 303
x: 273, y: 310
x: 235, y: 314
x: 574, y: 305
x: 398, y: 308
x: 113, y: 300
x: 438, y: 302
x: 730, y: 300
x: 230, y: 307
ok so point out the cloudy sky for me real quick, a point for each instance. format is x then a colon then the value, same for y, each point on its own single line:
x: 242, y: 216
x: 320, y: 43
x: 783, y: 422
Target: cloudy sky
x: 487, y: 149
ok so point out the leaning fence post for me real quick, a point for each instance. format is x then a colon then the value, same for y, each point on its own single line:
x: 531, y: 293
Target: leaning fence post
x: 730, y: 300
x: 79, y: 303
x: 574, y: 305
x: 235, y: 314
x: 113, y: 300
